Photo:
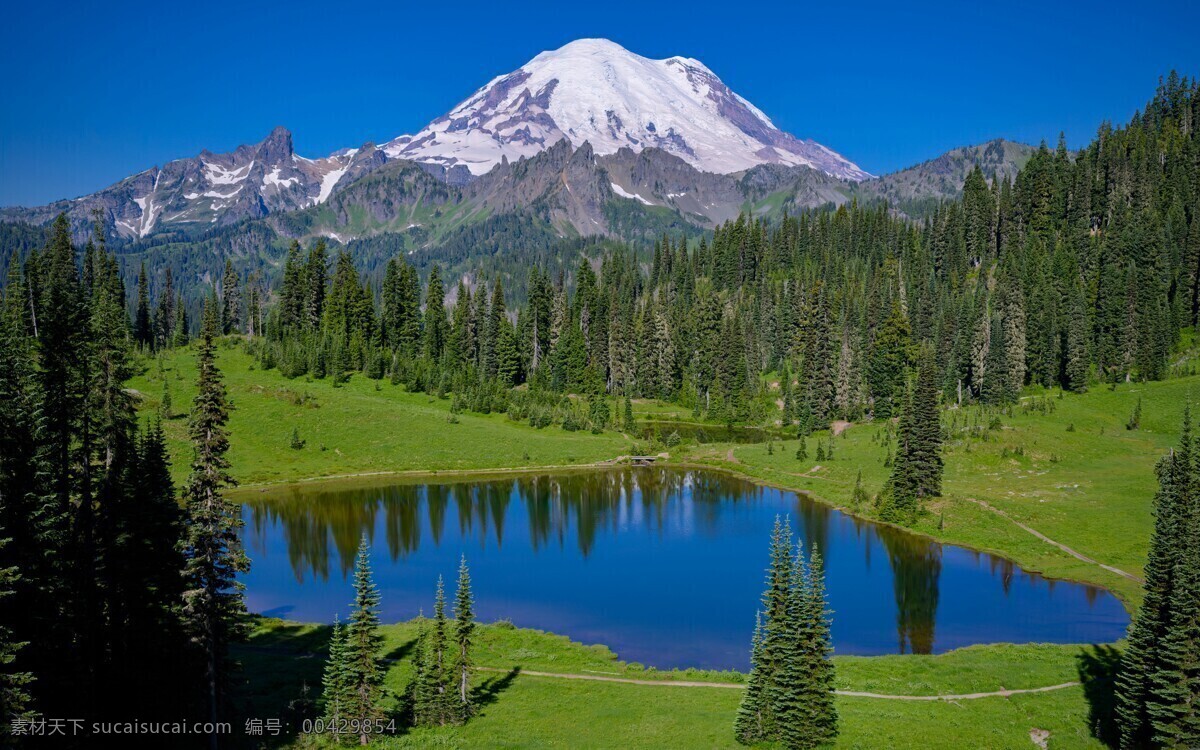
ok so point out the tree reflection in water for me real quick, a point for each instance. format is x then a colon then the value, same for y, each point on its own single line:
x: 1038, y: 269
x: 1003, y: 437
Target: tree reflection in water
x: 663, y: 564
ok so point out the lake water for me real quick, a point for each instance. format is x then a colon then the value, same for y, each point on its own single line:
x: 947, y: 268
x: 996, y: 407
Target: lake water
x: 665, y: 566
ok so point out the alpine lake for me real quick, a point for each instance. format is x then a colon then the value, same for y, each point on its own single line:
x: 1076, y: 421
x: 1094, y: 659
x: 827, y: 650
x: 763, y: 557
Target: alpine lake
x: 664, y: 565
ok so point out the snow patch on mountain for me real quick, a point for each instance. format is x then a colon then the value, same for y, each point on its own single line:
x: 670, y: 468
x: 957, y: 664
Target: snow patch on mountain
x: 626, y: 194
x: 218, y: 175
x: 595, y: 91
x: 328, y: 182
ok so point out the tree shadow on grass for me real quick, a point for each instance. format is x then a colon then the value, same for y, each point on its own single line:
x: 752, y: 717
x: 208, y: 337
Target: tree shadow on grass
x: 488, y: 691
x: 1098, y: 667
x: 401, y: 652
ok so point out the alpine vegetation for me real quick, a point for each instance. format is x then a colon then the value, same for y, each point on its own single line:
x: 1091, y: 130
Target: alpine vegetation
x: 789, y: 696
x: 441, y: 690
x: 1158, y: 687
x: 353, y: 691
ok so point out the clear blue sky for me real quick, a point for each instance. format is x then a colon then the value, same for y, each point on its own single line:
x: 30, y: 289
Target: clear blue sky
x: 93, y: 92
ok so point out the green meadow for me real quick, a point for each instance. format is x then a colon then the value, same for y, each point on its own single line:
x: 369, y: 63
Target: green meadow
x: 519, y: 710
x: 1063, y: 464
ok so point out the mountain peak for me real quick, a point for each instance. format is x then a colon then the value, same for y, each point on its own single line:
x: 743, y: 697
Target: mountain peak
x: 596, y: 91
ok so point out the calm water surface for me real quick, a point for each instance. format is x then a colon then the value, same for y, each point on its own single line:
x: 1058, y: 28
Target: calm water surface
x: 663, y: 565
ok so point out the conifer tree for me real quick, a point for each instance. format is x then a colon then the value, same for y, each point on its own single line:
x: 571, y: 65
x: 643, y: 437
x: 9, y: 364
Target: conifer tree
x: 817, y: 696
x: 464, y: 633
x: 214, y: 605
x: 748, y: 726
x: 143, y: 329
x: 336, y: 681
x: 315, y: 279
x: 14, y: 683
x: 789, y: 694
x: 1157, y: 681
x: 164, y: 406
x: 164, y: 312
x: 363, y: 670
x: 433, y: 693
x: 231, y: 300
x: 292, y: 293
x: 435, y: 315
x: 180, y: 330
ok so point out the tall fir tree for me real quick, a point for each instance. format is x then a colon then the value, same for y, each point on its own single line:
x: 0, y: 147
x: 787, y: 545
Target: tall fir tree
x: 464, y: 636
x: 335, y: 683
x: 143, y: 328
x: 363, y: 641
x: 214, y: 604
x: 231, y: 300
x: 1157, y: 682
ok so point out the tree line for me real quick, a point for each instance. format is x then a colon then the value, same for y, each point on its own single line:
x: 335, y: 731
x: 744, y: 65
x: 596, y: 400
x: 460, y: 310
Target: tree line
x: 119, y: 593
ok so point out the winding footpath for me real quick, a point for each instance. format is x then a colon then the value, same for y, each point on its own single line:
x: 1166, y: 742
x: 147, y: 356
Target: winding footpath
x: 1060, y: 545
x: 739, y: 686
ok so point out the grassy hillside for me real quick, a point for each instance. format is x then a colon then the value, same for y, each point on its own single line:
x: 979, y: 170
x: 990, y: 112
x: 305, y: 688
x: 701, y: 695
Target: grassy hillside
x: 361, y: 427
x: 523, y: 710
x: 1062, y: 464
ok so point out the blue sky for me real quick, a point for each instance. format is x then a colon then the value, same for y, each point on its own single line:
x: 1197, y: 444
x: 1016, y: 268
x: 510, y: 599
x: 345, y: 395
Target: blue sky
x: 96, y: 91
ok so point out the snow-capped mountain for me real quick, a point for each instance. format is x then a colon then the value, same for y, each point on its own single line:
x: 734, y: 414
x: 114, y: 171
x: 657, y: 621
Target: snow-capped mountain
x: 592, y: 93
x: 215, y: 189
x: 595, y: 91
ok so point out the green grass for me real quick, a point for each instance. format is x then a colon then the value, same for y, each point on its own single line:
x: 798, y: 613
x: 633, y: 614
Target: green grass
x: 1075, y: 474
x: 536, y: 712
x: 353, y: 429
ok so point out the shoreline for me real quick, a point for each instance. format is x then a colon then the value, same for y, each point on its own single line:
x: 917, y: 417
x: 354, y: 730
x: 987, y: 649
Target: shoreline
x: 368, y: 479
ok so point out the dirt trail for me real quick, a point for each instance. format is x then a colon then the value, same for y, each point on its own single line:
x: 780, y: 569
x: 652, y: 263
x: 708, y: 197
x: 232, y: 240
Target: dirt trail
x: 740, y: 686
x: 1060, y: 545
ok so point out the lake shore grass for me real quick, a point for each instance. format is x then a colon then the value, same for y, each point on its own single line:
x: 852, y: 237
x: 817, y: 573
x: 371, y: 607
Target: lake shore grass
x: 1070, y: 470
x: 1067, y: 468
x: 523, y: 710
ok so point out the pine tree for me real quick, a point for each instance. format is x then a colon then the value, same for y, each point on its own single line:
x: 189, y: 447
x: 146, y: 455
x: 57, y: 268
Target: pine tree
x: 164, y: 313
x: 777, y: 622
x: 434, y: 697
x: 231, y: 300
x: 1157, y: 680
x: 818, y: 691
x: 435, y: 315
x: 214, y: 606
x: 336, y: 682
x: 917, y: 466
x: 791, y: 719
x: 143, y: 329
x: 315, y: 279
x: 180, y: 330
x: 789, y: 694
x: 364, y: 670
x: 292, y: 292
x: 748, y: 726
x: 164, y: 406
x: 14, y: 683
x: 464, y: 633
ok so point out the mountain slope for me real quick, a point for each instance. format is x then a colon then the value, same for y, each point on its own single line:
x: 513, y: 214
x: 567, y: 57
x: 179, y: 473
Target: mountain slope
x: 915, y: 189
x: 594, y: 91
x: 212, y: 189
x: 590, y: 94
